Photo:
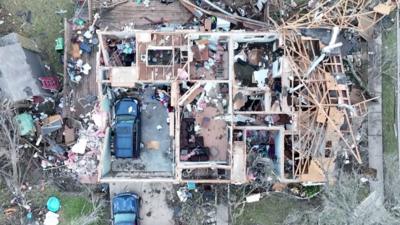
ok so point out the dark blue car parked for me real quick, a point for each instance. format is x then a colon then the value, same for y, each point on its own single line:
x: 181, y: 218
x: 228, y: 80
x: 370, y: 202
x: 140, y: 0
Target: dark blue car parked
x: 125, y: 209
x: 127, y: 128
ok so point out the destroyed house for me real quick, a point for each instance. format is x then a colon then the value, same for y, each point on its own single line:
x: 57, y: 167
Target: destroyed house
x: 228, y: 107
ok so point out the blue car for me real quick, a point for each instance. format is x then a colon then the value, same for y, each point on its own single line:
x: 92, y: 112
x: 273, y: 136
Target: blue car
x: 125, y: 209
x: 127, y: 128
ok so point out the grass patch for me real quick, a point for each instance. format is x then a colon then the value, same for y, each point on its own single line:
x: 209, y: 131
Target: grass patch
x: 311, y: 190
x: 46, y: 25
x: 389, y: 71
x: 72, y: 205
x: 5, y: 198
x: 271, y: 210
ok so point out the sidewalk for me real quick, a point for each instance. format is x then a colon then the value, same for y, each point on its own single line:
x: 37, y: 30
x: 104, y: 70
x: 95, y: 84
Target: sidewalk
x: 375, y: 144
x: 398, y: 79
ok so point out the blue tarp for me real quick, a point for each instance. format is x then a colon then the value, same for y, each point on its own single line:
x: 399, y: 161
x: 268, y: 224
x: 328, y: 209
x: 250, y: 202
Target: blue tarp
x: 25, y: 124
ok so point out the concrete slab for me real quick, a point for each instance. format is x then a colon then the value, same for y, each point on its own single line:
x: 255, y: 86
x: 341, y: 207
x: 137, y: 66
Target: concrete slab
x: 222, y: 214
x: 154, y: 208
x: 375, y: 144
x: 155, y: 152
x: 155, y: 129
x: 375, y: 124
x: 375, y: 107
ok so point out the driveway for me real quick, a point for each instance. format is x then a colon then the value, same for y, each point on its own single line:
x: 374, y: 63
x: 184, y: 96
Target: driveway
x: 154, y: 208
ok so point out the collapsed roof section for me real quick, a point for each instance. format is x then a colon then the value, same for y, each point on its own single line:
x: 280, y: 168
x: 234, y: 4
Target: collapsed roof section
x: 243, y: 103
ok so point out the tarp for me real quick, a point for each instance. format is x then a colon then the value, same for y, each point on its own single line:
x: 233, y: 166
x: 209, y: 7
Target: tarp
x: 52, y: 124
x: 25, y: 124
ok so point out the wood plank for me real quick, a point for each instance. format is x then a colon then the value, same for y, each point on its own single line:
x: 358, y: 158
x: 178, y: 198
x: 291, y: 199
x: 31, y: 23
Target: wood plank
x: 140, y: 15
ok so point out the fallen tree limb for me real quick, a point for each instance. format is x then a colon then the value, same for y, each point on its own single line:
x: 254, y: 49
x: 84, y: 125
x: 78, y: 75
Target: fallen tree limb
x: 249, y: 23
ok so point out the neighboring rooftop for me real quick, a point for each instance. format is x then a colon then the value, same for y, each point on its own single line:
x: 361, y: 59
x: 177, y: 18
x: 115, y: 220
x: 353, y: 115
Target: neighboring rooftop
x: 20, y: 67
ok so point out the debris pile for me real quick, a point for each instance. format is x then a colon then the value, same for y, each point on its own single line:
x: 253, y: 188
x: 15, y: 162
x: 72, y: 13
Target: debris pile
x: 121, y: 52
x: 63, y: 143
x: 82, y: 42
x: 198, y: 204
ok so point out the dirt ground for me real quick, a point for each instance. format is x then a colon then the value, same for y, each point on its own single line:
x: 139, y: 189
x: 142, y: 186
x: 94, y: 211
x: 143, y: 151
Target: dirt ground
x: 154, y: 208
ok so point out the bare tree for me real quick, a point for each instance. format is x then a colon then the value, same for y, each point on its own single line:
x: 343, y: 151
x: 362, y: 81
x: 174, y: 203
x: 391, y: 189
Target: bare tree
x: 261, y: 166
x: 14, y: 163
x: 392, y: 184
x: 98, y: 207
x: 348, y: 201
x: 9, y: 141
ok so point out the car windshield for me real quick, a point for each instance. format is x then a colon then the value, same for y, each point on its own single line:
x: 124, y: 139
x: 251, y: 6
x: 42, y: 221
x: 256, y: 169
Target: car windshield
x: 126, y: 107
x: 125, y: 219
x: 124, y: 204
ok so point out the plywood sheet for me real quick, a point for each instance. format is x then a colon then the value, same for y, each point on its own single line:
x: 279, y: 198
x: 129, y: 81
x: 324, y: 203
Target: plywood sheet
x: 123, y: 77
x: 238, y: 174
x: 384, y: 9
x: 152, y: 145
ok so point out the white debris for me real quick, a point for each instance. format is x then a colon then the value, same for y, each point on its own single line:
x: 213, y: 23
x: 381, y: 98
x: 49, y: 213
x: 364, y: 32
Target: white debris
x: 80, y: 146
x: 39, y: 140
x: 223, y: 24
x: 253, y: 198
x: 260, y: 4
x: 183, y: 194
x: 51, y: 219
x: 1, y: 22
x: 86, y: 69
x: 88, y: 34
x: 78, y: 78
x: 260, y: 77
x: 159, y: 127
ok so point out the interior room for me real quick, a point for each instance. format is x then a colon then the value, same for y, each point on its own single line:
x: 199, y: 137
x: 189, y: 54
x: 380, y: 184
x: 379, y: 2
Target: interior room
x: 210, y: 57
x: 247, y: 100
x: 263, y: 150
x: 119, y: 51
x: 203, y: 137
x: 257, y: 62
x: 162, y: 56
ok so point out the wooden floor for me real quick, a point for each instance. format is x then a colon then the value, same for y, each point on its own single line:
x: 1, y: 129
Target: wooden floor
x: 86, y: 89
x: 133, y: 13
x: 215, y: 134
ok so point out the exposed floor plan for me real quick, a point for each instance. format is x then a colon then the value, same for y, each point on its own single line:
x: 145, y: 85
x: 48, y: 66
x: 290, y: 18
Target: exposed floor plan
x: 230, y: 100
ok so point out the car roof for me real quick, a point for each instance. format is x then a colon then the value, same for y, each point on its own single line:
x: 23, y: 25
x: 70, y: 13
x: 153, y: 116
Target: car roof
x: 125, y: 204
x: 127, y: 106
x: 124, y: 142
